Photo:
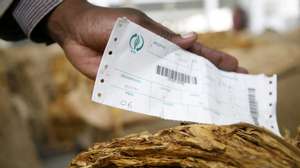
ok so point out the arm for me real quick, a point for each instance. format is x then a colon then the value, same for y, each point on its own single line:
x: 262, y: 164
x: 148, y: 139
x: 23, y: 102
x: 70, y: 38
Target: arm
x: 82, y: 30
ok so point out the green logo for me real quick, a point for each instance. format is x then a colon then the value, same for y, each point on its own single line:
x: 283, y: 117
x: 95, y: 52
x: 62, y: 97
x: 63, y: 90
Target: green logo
x: 136, y: 43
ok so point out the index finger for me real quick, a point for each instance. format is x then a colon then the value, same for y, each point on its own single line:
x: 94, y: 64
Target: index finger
x: 220, y: 59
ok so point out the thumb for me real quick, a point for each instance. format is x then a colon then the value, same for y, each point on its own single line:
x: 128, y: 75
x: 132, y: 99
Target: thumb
x: 184, y: 41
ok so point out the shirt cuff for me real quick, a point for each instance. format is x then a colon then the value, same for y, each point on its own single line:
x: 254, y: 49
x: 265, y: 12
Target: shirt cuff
x: 29, y: 13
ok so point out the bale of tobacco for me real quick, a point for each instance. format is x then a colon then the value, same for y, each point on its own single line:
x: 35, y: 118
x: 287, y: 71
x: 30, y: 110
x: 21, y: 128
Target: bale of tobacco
x: 201, y: 145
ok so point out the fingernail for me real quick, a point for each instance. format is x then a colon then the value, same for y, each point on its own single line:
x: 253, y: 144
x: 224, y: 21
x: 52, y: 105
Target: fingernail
x: 188, y: 35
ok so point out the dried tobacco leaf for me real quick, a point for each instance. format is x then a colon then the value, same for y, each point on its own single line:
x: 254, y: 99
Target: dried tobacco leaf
x: 239, y: 145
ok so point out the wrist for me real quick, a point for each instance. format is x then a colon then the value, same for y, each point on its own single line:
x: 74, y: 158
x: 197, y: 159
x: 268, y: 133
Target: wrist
x: 62, y: 21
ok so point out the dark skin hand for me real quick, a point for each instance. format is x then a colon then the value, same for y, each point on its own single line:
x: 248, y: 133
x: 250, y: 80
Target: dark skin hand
x: 83, y: 30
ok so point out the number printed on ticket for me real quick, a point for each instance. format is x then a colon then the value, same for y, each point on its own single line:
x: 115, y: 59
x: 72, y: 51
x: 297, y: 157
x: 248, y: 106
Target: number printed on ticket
x: 145, y: 73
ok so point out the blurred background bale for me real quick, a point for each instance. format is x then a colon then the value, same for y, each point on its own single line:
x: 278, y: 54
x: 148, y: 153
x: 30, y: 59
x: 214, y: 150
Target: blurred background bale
x: 15, y: 137
x: 15, y: 134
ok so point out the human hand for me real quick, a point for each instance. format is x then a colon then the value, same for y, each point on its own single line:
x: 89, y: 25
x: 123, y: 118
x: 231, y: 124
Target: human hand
x: 83, y: 30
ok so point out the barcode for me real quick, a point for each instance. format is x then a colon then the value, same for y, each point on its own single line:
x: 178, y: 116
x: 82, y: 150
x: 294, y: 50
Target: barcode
x: 253, y: 104
x: 176, y: 76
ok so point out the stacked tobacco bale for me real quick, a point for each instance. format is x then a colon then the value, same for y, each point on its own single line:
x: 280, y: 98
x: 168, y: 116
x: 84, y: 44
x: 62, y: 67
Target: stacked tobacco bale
x: 239, y: 145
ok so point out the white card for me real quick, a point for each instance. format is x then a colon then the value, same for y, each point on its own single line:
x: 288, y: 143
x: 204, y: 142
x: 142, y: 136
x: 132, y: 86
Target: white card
x: 145, y: 73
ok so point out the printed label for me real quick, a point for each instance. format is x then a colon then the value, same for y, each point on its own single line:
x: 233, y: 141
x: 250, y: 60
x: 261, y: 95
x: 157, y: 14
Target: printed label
x: 145, y: 73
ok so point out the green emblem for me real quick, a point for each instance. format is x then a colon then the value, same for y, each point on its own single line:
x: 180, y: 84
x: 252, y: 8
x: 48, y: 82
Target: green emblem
x: 136, y: 43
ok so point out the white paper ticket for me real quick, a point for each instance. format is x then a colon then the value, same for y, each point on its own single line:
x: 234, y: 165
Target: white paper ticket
x: 145, y: 73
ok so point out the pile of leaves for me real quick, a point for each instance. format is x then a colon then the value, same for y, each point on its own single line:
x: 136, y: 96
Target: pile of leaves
x: 201, y: 145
